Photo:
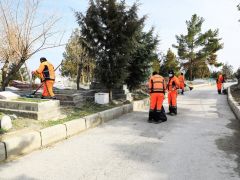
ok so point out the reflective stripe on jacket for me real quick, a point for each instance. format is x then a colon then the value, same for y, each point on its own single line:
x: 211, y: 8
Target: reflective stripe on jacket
x: 46, y: 70
x: 157, y: 84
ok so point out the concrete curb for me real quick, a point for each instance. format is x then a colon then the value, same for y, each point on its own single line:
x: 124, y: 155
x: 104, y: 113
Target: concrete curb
x: 233, y: 104
x: 2, y: 152
x: 22, y: 144
x: 111, y: 114
x: 14, y: 146
x: 53, y: 134
x: 141, y: 104
x: 75, y: 126
x: 93, y: 120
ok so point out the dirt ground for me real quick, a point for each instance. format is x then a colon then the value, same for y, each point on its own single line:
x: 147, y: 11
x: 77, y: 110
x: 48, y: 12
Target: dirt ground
x: 235, y: 93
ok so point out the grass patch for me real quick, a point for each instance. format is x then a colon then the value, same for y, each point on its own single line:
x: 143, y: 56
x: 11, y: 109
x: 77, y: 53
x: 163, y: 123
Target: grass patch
x: 75, y: 113
x: 2, y: 131
x: 71, y: 114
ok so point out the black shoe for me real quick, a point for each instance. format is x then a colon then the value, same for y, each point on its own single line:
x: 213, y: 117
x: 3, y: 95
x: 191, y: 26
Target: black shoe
x: 43, y: 97
x: 53, y: 97
x: 157, y: 122
x: 150, y: 121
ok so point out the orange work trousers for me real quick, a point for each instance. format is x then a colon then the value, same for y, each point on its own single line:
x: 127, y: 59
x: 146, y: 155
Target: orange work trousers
x: 48, y: 88
x: 172, y: 98
x: 156, y: 101
x: 219, y: 86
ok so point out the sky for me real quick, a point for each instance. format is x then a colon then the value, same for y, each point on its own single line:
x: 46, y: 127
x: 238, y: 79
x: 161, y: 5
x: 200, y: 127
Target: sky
x: 168, y: 17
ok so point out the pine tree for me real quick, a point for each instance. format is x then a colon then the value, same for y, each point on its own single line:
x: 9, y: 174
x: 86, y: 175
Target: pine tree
x: 196, y: 47
x: 109, y: 28
x: 76, y: 58
x: 170, y: 62
x: 142, y: 58
x: 227, y: 70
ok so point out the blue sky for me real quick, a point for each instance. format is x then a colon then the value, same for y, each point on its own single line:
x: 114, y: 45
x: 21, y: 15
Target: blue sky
x: 167, y: 16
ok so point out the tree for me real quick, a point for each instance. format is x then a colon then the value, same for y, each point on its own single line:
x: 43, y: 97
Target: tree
x: 22, y: 35
x: 214, y: 74
x: 156, y: 65
x: 237, y: 75
x: 170, y: 62
x: 109, y: 28
x: 142, y: 58
x: 196, y: 47
x: 77, y: 60
x: 227, y: 70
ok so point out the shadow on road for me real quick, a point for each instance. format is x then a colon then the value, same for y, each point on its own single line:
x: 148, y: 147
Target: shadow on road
x: 231, y: 144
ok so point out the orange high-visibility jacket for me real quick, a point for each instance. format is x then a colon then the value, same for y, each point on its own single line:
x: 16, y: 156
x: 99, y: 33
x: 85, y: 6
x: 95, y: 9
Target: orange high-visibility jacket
x: 46, y: 71
x: 220, y: 79
x: 181, y: 79
x: 157, y: 84
x: 173, y: 84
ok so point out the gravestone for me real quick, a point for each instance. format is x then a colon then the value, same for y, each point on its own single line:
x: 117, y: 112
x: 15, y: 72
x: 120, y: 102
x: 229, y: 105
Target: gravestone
x: 7, y: 95
x: 102, y: 98
x: 6, y: 123
x: 12, y: 89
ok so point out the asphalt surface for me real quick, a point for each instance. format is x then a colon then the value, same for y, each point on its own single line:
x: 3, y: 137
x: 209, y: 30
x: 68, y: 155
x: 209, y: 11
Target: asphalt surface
x: 201, y: 143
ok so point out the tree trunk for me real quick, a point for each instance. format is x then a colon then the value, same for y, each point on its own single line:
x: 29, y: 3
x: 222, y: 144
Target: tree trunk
x: 238, y: 85
x: 21, y: 75
x: 28, y: 73
x: 12, y: 73
x: 79, y: 76
x: 4, y: 74
x: 191, y: 73
x: 110, y: 95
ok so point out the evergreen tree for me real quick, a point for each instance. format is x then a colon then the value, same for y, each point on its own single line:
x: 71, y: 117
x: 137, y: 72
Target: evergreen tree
x: 196, y: 47
x: 170, y: 62
x: 156, y: 65
x: 141, y: 59
x: 109, y: 28
x: 77, y: 60
x: 227, y: 70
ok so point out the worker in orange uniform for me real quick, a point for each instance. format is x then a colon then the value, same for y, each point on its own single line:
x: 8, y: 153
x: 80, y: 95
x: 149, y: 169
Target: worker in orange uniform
x: 182, y: 82
x: 172, y: 86
x: 157, y: 88
x: 220, y: 80
x: 47, y: 75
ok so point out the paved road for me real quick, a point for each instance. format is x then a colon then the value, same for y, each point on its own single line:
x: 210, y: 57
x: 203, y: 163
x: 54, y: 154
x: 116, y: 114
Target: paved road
x: 201, y: 143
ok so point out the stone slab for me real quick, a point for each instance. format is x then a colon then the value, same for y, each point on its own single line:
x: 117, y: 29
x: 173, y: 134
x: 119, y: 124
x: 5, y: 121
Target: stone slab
x: 53, y: 134
x: 93, y: 120
x: 11, y: 88
x: 2, y: 152
x: 47, y: 110
x: 127, y: 108
x: 111, y: 114
x: 101, y: 98
x: 19, y: 105
x: 8, y: 95
x: 141, y: 105
x: 22, y: 144
x: 75, y: 126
